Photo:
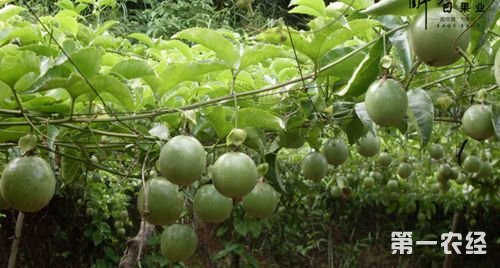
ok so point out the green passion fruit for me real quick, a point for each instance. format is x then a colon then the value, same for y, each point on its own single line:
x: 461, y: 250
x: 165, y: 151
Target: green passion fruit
x: 314, y: 166
x: 485, y: 171
x: 335, y: 151
x: 404, y: 170
x: 368, y: 145
x: 386, y: 102
x: 165, y: 202
x: 211, y: 206
x: 368, y: 182
x: 178, y: 242
x: 234, y: 174
x: 392, y: 185
x: 472, y: 163
x: 436, y: 151
x: 182, y: 160
x: 27, y: 183
x: 261, y: 202
x: 384, y: 159
x: 437, y: 44
x: 477, y: 123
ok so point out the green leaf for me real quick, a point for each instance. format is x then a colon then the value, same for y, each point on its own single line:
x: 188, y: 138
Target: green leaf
x: 9, y: 11
x: 362, y: 114
x: 255, y: 139
x: 142, y: 38
x: 13, y: 133
x: 479, y: 32
x: 316, y: 7
x: 105, y: 26
x: 178, y: 45
x: 305, y: 10
x: 172, y: 74
x: 222, y: 119
x: 87, y: 60
x: 365, y: 73
x: 396, y: 7
x: 358, y: 4
x: 255, y: 55
x: 345, y: 69
x: 67, y: 21
x: 495, y: 119
x: 421, y: 113
x: 400, y: 42
x: 47, y: 104
x: 132, y: 68
x: 27, y: 143
x: 354, y: 130
x: 16, y: 63
x: 214, y: 41
x: 104, y: 84
x: 251, y: 117
x: 274, y: 173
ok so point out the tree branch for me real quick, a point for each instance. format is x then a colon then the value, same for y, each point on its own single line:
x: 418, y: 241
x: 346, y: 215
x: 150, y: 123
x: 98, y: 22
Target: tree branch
x: 136, y: 245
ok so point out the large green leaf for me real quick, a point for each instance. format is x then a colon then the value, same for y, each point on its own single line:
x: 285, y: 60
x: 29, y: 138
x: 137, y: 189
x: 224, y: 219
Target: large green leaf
x: 13, y: 133
x: 480, y: 28
x: 251, y: 117
x: 70, y: 168
x: 258, y: 54
x: 142, y: 38
x: 222, y: 119
x: 309, y: 7
x: 172, y: 74
x: 87, y: 60
x: 15, y: 63
x: 6, y: 100
x: 132, y: 68
x: 421, y: 113
x: 363, y: 116
x: 402, y: 45
x: 215, y: 41
x: 178, y: 45
x: 104, y: 84
x: 358, y: 4
x: 67, y: 21
x: 9, y: 11
x: 365, y: 73
x: 47, y: 104
x: 345, y: 69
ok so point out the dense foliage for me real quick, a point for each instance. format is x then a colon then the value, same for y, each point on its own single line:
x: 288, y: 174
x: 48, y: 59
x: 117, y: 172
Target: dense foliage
x: 292, y: 112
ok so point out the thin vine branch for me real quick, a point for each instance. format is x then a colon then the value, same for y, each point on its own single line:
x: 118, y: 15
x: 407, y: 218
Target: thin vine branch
x: 17, y: 239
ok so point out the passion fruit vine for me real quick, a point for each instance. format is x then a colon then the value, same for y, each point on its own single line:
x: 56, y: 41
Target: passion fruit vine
x: 437, y: 45
x: 28, y: 184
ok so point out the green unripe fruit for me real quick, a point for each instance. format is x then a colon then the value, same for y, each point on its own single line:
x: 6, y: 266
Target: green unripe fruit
x: 485, y: 171
x: 436, y: 151
x: 436, y: 45
x: 234, y: 174
x: 336, y: 152
x: 314, y: 166
x: 472, y: 164
x: 335, y: 191
x: 211, y: 206
x: 261, y: 202
x: 368, y: 145
x: 404, y: 170
x: 384, y: 159
x: 368, y: 182
x: 477, y: 123
x: 392, y: 185
x: 178, y: 242
x: 444, y: 173
x: 165, y: 202
x: 27, y: 184
x: 183, y: 160
x: 386, y: 102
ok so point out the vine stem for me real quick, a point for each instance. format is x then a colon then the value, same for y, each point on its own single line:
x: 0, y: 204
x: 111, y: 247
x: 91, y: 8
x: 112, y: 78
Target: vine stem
x: 235, y: 99
x: 412, y: 74
x: 17, y: 239
x: 146, y: 209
